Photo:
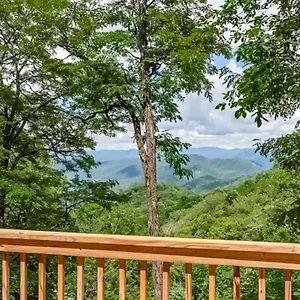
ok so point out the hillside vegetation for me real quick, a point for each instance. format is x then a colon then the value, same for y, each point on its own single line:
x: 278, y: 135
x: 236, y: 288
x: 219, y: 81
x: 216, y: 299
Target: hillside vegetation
x: 263, y: 208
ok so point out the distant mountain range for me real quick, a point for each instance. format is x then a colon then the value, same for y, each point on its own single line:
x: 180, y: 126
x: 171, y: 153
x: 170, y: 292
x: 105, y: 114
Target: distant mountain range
x: 207, y: 152
x: 212, y: 167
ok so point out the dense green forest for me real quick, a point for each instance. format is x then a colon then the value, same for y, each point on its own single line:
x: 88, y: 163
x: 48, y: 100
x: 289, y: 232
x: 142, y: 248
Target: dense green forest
x: 71, y: 71
x: 265, y: 207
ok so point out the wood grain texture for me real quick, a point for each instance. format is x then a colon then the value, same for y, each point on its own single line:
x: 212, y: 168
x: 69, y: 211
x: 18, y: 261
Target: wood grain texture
x: 166, y: 281
x: 188, y: 251
x: 236, y: 284
x: 122, y: 279
x: 212, y: 283
x: 188, y: 281
x: 23, y: 276
x: 288, y: 285
x: 61, y: 277
x: 5, y: 275
x: 42, y: 277
x: 143, y: 280
x: 210, y: 252
x: 100, y: 279
x: 262, y: 284
x: 80, y: 278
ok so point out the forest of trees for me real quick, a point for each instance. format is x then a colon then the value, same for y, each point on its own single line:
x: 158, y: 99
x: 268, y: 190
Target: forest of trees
x: 73, y: 70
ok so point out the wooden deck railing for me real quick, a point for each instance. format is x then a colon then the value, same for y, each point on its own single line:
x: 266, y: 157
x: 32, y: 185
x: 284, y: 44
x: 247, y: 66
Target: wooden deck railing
x: 144, y: 249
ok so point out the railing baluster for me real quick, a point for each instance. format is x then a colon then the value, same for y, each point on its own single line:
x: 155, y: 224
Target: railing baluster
x: 236, y: 284
x: 143, y: 280
x: 166, y: 281
x: 80, y: 278
x: 262, y: 284
x: 100, y: 279
x: 5, y: 276
x: 42, y: 277
x: 288, y: 285
x: 212, y: 283
x: 188, y: 281
x: 23, y: 276
x: 259, y: 255
x: 61, y: 277
x: 122, y: 279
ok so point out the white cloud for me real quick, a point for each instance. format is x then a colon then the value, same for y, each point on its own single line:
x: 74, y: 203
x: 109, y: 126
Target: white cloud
x: 203, y: 126
x: 234, y: 67
x: 216, y: 3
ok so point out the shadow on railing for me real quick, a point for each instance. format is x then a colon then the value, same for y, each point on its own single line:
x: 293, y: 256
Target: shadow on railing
x: 144, y: 249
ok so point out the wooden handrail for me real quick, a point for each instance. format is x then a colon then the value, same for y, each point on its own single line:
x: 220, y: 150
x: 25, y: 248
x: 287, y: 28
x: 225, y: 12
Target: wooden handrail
x: 210, y: 252
x: 238, y: 254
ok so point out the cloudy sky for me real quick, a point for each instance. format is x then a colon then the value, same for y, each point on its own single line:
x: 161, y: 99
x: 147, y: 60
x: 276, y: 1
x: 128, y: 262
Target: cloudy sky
x: 203, y: 126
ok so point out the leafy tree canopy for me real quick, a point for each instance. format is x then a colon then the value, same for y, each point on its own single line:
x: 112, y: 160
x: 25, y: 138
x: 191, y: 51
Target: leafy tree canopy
x: 268, y: 37
x: 181, y: 39
x: 38, y: 111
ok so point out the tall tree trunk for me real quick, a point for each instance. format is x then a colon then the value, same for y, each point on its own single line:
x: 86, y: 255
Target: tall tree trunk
x: 2, y: 210
x: 147, y: 144
x: 4, y: 166
x: 148, y: 161
x: 151, y: 192
x: 147, y: 151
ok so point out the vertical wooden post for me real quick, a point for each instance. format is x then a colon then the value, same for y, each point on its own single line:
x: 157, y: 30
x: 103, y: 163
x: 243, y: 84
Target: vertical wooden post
x: 288, y: 285
x: 61, y: 277
x: 80, y: 278
x: 262, y: 284
x: 122, y: 279
x: 188, y: 281
x: 166, y: 281
x: 212, y: 283
x: 143, y: 280
x: 236, y: 284
x: 100, y: 279
x: 5, y: 276
x: 42, y: 277
x: 23, y: 276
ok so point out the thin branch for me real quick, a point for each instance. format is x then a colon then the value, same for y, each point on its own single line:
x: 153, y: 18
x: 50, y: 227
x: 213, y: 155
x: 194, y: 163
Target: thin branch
x: 150, y: 4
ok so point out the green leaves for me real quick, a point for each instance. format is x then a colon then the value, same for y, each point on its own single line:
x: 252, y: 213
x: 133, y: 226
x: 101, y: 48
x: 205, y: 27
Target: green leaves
x: 285, y: 150
x: 269, y: 83
x: 41, y: 81
x: 269, y: 52
x: 171, y: 149
x: 221, y: 106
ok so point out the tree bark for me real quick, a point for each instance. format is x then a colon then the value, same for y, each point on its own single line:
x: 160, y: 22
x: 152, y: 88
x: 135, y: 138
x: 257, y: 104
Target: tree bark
x: 151, y: 192
x: 146, y: 143
x: 148, y: 161
x: 4, y: 165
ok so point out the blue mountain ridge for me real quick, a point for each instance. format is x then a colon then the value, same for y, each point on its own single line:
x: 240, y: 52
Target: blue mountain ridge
x: 212, y: 167
x: 207, y: 152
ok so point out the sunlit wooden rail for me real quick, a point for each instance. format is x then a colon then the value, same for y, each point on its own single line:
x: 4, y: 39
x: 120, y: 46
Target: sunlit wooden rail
x: 144, y: 249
